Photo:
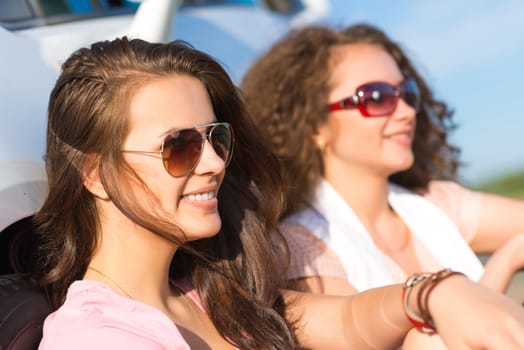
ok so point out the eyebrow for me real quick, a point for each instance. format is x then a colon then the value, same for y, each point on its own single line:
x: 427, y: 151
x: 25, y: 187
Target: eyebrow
x: 164, y: 134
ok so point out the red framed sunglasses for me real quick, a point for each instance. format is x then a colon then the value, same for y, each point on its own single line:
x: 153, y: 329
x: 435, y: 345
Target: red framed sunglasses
x: 378, y: 98
x: 182, y: 149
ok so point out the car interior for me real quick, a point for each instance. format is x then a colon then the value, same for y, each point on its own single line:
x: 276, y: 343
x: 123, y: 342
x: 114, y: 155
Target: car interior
x: 23, y: 307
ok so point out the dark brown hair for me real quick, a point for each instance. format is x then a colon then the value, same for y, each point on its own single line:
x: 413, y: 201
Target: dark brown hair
x: 287, y: 93
x: 238, y: 271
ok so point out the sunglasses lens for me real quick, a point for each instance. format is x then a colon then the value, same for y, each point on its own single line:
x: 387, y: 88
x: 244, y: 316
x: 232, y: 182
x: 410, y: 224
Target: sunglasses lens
x: 378, y: 99
x: 221, y: 138
x: 182, y: 151
x: 411, y: 94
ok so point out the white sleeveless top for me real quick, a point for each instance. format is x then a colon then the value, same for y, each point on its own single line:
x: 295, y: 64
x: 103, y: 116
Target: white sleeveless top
x: 334, y: 222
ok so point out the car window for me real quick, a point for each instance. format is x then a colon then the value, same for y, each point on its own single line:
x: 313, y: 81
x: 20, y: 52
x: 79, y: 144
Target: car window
x: 17, y: 14
x: 13, y: 10
x: 281, y: 6
x: 217, y: 2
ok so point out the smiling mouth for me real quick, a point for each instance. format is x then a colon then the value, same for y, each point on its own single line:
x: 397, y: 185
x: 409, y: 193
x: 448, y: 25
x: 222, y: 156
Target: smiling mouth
x: 198, y: 197
x: 405, y: 136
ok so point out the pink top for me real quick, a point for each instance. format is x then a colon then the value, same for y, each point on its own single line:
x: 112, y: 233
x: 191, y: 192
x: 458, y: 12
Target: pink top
x: 96, y: 317
x: 310, y: 256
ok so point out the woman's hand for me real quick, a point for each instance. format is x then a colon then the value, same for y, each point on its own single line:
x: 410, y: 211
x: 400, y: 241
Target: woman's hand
x: 468, y: 315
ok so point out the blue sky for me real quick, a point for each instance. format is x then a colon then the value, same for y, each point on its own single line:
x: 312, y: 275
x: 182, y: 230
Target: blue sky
x: 472, y: 55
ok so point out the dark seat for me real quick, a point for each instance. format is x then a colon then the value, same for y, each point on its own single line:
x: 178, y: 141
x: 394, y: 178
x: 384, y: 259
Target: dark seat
x: 23, y: 307
x: 22, y: 312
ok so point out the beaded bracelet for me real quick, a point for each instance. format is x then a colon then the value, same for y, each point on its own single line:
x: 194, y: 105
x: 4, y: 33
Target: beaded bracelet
x: 423, y: 322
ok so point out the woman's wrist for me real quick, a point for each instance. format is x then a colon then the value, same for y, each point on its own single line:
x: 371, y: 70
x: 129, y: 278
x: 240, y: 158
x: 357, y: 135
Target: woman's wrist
x: 412, y: 310
x: 515, y: 246
x: 417, y: 292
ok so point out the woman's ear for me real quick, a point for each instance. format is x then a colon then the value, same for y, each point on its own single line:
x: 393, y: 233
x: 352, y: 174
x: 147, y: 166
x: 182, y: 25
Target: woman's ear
x: 322, y: 137
x: 92, y: 180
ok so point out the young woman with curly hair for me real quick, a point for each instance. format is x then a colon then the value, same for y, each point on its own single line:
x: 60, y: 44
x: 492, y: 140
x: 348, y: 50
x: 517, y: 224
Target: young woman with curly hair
x: 371, y: 192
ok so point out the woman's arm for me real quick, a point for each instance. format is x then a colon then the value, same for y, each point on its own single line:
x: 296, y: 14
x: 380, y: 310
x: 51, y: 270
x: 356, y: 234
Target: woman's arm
x: 501, y: 219
x: 370, y: 320
x: 504, y: 263
x: 486, y: 220
x: 323, y: 285
x: 466, y: 314
x: 490, y: 223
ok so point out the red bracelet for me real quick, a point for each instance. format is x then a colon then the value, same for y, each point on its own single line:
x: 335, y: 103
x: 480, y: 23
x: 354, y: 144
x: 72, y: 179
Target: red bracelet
x: 425, y: 326
x: 428, y: 286
x: 423, y: 322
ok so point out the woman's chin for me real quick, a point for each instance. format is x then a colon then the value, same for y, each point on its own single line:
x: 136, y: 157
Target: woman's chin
x: 200, y: 232
x: 404, y: 163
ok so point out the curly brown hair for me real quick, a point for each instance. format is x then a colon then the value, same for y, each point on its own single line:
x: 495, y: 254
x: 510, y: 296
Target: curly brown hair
x: 238, y: 271
x: 287, y: 93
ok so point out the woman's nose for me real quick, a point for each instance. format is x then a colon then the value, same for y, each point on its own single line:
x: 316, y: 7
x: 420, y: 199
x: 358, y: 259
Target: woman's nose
x: 210, y: 161
x: 404, y: 110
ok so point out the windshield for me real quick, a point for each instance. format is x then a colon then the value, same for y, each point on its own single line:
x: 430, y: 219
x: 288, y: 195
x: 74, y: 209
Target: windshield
x: 22, y: 14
